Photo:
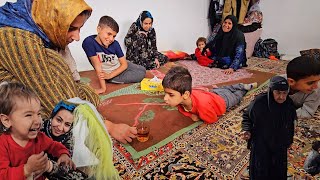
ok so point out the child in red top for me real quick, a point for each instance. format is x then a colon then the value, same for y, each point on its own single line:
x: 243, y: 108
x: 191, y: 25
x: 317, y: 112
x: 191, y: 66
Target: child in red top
x: 22, y: 147
x: 203, y: 60
x: 200, y: 104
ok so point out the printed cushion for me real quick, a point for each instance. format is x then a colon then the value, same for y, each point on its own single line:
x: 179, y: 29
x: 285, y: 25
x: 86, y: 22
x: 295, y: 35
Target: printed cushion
x: 251, y: 39
x: 175, y: 55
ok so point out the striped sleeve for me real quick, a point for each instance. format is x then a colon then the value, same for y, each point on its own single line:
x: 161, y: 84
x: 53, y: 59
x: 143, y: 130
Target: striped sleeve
x: 24, y: 59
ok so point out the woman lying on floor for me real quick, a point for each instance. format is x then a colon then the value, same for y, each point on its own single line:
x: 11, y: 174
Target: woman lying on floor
x: 228, y: 47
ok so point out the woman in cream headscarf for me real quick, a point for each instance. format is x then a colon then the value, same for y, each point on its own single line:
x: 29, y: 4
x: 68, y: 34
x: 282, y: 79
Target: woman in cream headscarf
x: 31, y: 32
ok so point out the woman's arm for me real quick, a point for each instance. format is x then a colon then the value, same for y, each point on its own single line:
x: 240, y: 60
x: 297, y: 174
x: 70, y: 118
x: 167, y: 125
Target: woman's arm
x: 24, y: 59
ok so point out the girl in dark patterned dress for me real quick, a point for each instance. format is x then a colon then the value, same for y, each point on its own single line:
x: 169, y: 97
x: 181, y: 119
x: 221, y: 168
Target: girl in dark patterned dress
x: 142, y: 45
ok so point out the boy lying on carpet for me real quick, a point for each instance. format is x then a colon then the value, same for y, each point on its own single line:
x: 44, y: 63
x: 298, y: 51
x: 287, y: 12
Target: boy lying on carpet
x: 200, y: 104
x: 107, y: 58
x: 303, y: 74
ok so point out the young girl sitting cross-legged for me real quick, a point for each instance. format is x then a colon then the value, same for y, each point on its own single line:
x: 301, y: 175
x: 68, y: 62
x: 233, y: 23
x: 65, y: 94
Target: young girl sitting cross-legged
x: 23, y: 149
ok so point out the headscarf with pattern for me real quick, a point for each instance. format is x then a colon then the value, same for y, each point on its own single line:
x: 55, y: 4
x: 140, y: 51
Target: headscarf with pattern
x: 143, y: 15
x: 225, y: 43
x: 47, y: 129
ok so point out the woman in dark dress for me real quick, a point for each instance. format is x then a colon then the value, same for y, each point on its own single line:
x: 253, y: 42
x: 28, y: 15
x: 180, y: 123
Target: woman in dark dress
x: 141, y: 43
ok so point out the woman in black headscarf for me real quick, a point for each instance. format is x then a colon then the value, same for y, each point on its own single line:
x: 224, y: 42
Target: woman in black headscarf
x: 268, y: 124
x: 228, y: 47
x: 142, y: 45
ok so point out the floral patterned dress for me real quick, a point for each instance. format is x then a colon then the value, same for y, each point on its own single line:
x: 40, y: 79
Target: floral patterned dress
x: 142, y: 49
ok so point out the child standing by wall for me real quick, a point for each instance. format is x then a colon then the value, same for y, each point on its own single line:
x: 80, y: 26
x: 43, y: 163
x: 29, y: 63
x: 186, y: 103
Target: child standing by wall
x: 22, y: 146
x: 204, y: 59
x: 200, y: 104
x: 312, y: 163
x: 107, y: 58
x: 268, y: 125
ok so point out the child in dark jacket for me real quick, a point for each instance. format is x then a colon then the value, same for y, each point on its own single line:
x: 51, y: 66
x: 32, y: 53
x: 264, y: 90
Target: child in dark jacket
x: 312, y: 163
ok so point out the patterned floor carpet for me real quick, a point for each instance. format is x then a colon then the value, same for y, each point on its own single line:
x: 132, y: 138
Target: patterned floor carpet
x: 200, y: 75
x: 214, y: 151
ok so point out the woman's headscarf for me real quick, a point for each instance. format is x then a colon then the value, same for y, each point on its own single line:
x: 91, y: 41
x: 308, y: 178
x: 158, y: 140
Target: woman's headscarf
x: 276, y: 83
x: 49, y: 19
x: 47, y: 124
x: 224, y: 44
x: 143, y: 15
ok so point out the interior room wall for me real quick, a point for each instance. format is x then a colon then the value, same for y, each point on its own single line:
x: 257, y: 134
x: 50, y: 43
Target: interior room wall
x: 177, y: 23
x: 293, y: 23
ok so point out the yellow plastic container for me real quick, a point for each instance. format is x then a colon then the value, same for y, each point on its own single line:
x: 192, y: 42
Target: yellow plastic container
x: 148, y: 84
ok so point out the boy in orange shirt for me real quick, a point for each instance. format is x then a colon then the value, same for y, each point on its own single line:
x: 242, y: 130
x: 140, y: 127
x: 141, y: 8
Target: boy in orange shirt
x: 199, y: 104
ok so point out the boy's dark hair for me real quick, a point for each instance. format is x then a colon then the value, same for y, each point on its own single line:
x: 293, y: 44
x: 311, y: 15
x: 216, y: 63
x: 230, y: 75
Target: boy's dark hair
x: 179, y: 79
x: 316, y: 145
x: 201, y: 39
x: 110, y: 22
x: 9, y: 93
x: 302, y: 67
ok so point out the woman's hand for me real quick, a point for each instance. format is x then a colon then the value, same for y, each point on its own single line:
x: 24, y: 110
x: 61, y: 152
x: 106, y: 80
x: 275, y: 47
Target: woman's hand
x: 229, y: 71
x: 121, y: 132
x: 246, y: 135
x: 157, y: 63
x: 65, y: 159
x: 143, y: 32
